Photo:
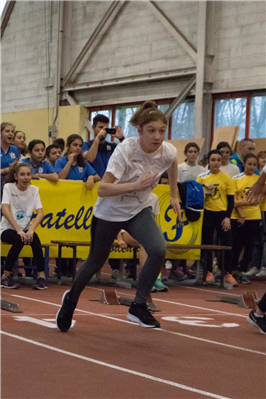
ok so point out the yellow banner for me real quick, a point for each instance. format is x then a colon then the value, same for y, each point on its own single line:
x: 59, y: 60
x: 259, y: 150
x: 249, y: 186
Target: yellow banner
x: 68, y: 208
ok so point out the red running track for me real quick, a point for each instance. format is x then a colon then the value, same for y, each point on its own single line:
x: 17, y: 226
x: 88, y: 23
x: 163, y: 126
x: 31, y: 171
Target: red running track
x: 204, y: 349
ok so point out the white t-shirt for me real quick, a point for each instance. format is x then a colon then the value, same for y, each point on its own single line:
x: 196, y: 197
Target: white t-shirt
x: 127, y: 163
x: 230, y: 169
x: 186, y: 172
x: 22, y: 204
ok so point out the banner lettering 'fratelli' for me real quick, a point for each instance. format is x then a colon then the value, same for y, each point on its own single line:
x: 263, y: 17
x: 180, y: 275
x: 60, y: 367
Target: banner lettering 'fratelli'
x: 68, y: 208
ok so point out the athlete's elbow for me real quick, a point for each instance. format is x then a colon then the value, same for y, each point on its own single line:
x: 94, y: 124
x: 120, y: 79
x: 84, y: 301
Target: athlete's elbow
x: 101, y: 190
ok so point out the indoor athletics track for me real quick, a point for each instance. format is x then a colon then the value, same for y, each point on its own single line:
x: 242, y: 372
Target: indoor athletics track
x: 204, y: 349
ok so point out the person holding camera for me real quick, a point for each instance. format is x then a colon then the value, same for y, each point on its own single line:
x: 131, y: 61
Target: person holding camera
x: 98, y: 151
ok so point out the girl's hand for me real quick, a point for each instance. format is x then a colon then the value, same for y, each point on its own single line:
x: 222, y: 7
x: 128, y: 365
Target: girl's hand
x: 241, y: 221
x: 226, y: 224
x: 122, y: 244
x: 209, y: 186
x: 90, y: 183
x: 145, y: 181
x: 176, y: 207
x: 29, y: 236
x: 71, y: 157
x: 23, y: 236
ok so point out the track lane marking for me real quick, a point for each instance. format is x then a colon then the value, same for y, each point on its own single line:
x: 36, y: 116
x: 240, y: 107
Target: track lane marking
x: 114, y: 367
x: 159, y: 329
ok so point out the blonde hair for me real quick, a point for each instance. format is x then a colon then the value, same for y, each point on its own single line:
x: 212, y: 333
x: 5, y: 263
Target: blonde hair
x: 147, y: 113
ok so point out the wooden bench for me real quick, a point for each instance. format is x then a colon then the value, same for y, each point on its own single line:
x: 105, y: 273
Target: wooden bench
x: 46, y: 259
x: 75, y: 244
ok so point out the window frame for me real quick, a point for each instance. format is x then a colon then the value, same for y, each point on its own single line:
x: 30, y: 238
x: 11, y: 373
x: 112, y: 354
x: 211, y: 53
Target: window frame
x: 237, y: 94
x: 158, y: 102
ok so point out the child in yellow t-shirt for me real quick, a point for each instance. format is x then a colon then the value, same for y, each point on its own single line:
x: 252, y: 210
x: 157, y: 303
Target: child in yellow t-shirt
x: 219, y: 203
x: 245, y: 218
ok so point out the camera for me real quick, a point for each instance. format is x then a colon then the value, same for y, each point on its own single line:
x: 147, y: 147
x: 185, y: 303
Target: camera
x: 110, y: 131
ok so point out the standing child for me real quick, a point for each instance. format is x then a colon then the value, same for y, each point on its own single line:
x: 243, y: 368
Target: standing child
x: 217, y: 212
x: 246, y: 217
x: 17, y: 227
x: 124, y: 203
x: 39, y: 167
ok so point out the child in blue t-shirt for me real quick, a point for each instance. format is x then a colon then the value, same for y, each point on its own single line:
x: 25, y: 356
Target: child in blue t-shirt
x: 39, y: 167
x: 9, y: 153
x: 73, y: 166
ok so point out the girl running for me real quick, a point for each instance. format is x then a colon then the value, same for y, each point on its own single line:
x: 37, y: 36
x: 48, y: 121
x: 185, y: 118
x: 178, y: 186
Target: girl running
x: 39, y: 167
x: 218, y: 207
x: 245, y: 217
x: 20, y: 198
x: 73, y: 166
x: 133, y: 171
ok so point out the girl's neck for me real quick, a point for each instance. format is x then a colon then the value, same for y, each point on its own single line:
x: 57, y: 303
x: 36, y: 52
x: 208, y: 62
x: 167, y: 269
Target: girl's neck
x: 191, y: 163
x: 249, y: 173
x: 5, y: 146
x: 215, y: 171
x: 23, y: 188
x: 35, y: 163
x: 225, y: 163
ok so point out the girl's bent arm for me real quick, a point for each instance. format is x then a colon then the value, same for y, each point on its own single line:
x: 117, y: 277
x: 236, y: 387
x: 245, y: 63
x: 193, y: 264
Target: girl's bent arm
x: 53, y: 177
x: 107, y: 188
x: 37, y: 220
x: 9, y: 217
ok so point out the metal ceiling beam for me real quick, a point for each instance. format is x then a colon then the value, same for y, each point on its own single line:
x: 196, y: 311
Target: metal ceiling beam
x: 130, y: 80
x: 177, y: 101
x: 90, y: 42
x: 6, y: 15
x: 200, y: 69
x: 178, y: 35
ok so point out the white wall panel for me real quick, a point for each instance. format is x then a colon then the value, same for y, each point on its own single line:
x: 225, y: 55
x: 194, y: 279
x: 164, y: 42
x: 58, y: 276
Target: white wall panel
x: 240, y: 46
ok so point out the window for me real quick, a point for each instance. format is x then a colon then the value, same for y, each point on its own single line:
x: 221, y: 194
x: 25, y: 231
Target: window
x: 257, y: 127
x: 231, y: 112
x: 183, y: 121
x: 122, y: 118
x: 244, y: 109
x: 180, y: 126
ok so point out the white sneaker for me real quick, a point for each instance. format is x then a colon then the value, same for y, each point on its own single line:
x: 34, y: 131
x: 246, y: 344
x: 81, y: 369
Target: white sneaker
x: 262, y: 272
x: 252, y: 272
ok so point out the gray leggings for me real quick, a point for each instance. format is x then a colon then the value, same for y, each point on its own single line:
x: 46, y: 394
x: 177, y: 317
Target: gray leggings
x: 142, y: 228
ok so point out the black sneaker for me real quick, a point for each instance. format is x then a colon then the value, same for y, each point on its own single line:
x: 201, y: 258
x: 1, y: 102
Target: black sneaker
x: 41, y: 284
x: 259, y: 322
x: 139, y: 313
x: 8, y: 282
x: 65, y: 313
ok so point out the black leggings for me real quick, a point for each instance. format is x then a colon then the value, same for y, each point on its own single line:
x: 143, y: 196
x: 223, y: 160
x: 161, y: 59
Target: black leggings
x: 10, y: 236
x: 244, y: 237
x: 145, y: 230
x: 213, y: 221
x: 262, y: 303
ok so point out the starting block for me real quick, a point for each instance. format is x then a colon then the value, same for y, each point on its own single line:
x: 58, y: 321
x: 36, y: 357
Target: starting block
x: 248, y: 300
x: 10, y: 307
x: 110, y: 297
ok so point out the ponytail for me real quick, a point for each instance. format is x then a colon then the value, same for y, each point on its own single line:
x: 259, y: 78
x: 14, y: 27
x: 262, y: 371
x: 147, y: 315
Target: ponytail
x: 147, y: 113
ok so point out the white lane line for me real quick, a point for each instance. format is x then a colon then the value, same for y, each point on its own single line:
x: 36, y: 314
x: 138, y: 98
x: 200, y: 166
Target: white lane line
x: 214, y: 342
x: 78, y: 310
x: 191, y: 306
x: 114, y: 367
x: 160, y: 329
x: 203, y: 289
